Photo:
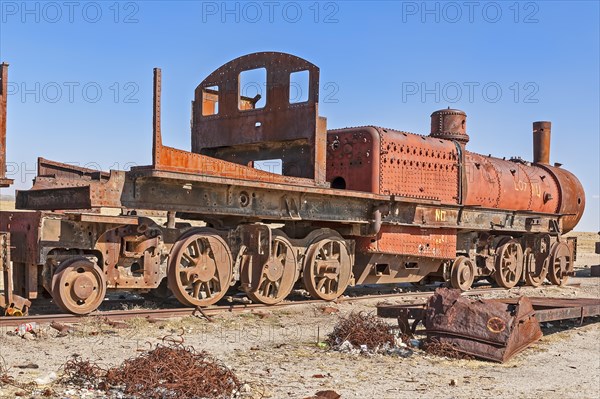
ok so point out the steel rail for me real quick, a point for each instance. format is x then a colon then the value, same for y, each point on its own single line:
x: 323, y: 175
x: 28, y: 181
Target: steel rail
x: 118, y: 315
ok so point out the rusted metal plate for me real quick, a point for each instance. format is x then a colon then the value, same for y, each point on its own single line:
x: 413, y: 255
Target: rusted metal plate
x: 173, y: 160
x: 377, y: 268
x: 433, y: 243
x: 353, y: 159
x: 76, y: 188
x: 419, y: 167
x: 483, y: 328
x: 551, y: 309
x: 24, y: 228
x: 461, y: 322
x: 109, y: 219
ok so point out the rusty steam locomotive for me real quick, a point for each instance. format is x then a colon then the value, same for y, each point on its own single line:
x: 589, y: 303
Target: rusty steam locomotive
x: 363, y: 205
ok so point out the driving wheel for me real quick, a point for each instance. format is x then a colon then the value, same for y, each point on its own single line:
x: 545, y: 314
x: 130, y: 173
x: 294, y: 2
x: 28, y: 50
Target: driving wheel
x: 200, y: 268
x: 509, y: 264
x: 278, y: 275
x: 327, y: 268
x: 560, y: 264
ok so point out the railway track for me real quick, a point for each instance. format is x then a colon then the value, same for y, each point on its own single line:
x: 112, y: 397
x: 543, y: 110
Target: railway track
x: 165, y: 313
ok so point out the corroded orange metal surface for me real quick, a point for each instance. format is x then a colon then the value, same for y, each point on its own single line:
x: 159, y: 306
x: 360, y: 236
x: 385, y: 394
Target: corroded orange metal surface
x: 174, y: 160
x: 390, y: 162
x: 403, y: 240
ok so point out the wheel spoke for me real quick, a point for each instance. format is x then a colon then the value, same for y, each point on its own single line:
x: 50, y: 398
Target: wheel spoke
x: 323, y: 253
x: 196, y: 289
x: 189, y: 259
x: 321, y: 283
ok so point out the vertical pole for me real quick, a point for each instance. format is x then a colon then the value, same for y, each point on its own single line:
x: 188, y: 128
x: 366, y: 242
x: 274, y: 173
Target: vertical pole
x: 4, y: 182
x: 156, y: 132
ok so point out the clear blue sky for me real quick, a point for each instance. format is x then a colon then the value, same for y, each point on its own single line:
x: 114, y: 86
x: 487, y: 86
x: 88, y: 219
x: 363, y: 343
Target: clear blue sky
x: 382, y: 63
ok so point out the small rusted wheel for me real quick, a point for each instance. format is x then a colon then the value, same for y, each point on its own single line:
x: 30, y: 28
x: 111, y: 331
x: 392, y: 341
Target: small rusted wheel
x: 200, y: 268
x: 278, y: 274
x: 536, y: 268
x: 462, y: 273
x: 509, y: 264
x: 78, y: 286
x: 327, y: 268
x: 536, y: 261
x: 560, y: 264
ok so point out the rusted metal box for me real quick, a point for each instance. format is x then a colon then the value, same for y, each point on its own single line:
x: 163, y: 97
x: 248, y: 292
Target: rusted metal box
x: 390, y: 162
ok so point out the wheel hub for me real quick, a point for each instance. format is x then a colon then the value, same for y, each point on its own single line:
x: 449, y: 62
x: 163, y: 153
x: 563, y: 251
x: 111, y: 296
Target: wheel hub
x: 83, y: 287
x: 465, y: 273
x: 205, y: 271
x: 273, y: 270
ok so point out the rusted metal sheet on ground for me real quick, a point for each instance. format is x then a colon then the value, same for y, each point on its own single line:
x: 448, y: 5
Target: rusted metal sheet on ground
x: 482, y: 328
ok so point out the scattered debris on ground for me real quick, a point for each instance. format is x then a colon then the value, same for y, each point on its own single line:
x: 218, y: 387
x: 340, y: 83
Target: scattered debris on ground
x: 329, y: 394
x: 361, y: 329
x: 365, y: 333
x: 444, y: 349
x: 169, y: 370
x: 5, y: 378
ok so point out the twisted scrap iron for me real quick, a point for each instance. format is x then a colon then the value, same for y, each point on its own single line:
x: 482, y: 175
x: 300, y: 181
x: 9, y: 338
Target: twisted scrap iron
x: 169, y: 370
x: 361, y: 329
x: 437, y: 348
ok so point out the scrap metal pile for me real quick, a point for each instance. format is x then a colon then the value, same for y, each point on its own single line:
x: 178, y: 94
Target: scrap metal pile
x: 170, y: 370
x: 361, y: 329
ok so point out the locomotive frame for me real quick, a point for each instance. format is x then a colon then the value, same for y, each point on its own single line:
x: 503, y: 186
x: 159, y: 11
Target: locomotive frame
x: 348, y: 208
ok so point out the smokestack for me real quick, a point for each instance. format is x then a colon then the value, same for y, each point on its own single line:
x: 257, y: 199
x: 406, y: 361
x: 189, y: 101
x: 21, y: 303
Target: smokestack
x: 4, y: 182
x: 541, y: 142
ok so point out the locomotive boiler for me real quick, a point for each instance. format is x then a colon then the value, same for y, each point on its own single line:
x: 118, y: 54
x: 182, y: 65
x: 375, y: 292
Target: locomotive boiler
x: 362, y: 205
